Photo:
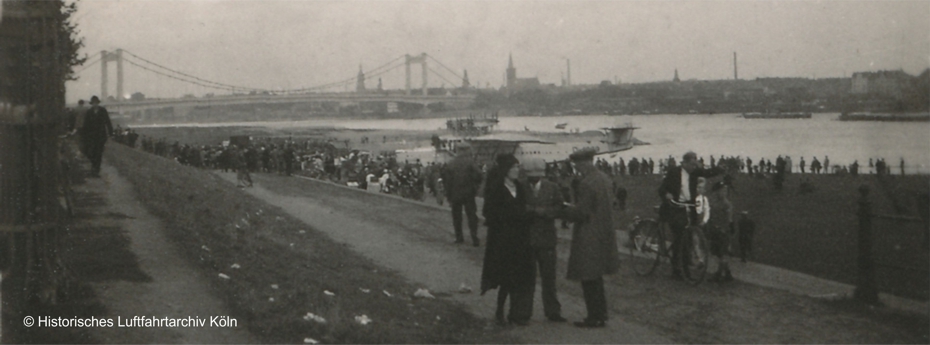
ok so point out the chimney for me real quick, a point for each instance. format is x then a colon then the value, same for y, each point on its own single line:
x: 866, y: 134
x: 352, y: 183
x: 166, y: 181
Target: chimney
x: 735, y: 75
x: 568, y: 79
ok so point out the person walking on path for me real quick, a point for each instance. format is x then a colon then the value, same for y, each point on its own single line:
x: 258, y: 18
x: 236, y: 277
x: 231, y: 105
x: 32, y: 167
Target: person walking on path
x: 461, y: 179
x: 543, y: 201
x: 94, y: 133
x: 594, y: 241
x: 508, y: 257
x: 680, y: 187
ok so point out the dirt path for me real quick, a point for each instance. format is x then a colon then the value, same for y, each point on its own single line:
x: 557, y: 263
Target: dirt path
x: 175, y: 290
x: 415, y: 240
x: 443, y: 268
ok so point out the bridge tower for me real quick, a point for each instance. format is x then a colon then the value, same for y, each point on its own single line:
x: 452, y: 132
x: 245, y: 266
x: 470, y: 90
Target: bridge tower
x: 420, y: 59
x: 104, y: 79
x: 360, y: 81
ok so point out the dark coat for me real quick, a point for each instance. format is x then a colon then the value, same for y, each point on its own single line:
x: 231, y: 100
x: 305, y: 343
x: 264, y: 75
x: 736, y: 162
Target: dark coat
x: 508, y: 257
x: 461, y: 178
x: 672, y: 184
x: 548, y: 201
x: 97, y: 126
x: 594, y: 241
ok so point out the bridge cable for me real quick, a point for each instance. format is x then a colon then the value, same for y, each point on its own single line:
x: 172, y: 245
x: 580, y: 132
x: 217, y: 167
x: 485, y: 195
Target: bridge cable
x: 346, y: 81
x: 86, y: 66
x: 131, y: 62
x: 443, y: 77
x: 194, y: 77
x: 372, y: 75
x: 447, y: 68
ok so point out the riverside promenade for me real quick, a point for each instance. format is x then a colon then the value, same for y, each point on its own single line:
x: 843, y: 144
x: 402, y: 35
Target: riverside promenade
x: 643, y: 309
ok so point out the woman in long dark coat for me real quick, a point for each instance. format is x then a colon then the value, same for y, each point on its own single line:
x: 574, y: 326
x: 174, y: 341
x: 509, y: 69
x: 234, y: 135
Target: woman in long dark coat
x: 508, y: 257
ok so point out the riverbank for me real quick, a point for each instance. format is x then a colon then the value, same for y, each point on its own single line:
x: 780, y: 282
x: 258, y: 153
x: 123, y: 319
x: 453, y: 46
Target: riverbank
x: 272, y: 270
x: 734, y: 313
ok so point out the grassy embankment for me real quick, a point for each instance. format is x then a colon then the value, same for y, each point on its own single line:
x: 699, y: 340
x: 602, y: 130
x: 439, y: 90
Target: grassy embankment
x: 271, y: 247
x: 817, y: 233
x: 812, y: 233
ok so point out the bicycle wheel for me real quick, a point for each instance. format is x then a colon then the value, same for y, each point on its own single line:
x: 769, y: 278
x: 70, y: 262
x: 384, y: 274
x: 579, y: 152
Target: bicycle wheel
x: 645, y: 246
x: 699, y: 254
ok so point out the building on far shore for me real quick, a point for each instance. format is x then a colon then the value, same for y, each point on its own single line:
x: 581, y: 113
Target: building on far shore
x: 515, y: 84
x: 881, y: 83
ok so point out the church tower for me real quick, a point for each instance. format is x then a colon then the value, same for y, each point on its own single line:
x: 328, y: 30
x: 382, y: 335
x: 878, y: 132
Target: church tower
x: 465, y: 83
x: 676, y: 77
x: 360, y: 81
x: 511, y: 73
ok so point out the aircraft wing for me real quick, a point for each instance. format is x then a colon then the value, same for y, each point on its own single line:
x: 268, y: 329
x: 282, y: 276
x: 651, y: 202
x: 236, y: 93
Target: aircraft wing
x: 510, y: 137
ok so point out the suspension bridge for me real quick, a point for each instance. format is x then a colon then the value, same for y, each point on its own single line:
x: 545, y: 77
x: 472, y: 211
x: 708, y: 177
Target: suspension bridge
x: 338, y: 97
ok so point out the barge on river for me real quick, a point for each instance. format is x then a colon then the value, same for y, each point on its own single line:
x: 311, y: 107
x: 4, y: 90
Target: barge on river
x: 777, y: 115
x: 912, y: 117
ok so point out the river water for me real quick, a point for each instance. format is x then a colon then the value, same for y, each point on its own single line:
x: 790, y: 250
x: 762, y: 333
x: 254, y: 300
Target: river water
x: 718, y: 134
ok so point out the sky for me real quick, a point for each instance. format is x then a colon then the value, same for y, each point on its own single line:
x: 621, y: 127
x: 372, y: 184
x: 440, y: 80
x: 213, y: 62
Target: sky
x: 294, y: 44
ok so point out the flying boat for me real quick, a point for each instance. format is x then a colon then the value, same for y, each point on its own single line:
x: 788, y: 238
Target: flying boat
x: 485, y: 148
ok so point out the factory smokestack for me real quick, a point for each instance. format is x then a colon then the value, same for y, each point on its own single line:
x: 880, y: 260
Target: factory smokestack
x: 735, y: 74
x: 568, y: 80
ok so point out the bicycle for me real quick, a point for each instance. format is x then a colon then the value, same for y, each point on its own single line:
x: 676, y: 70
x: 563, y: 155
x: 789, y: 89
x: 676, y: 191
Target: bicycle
x: 651, y: 243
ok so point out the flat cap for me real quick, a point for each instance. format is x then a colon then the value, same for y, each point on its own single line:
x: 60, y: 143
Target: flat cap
x: 535, y: 166
x: 584, y: 154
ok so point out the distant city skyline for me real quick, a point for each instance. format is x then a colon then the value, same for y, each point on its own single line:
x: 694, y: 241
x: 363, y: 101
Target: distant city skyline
x: 293, y: 44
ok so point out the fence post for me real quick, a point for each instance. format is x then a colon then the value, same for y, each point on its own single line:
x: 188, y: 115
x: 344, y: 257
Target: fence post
x: 865, y: 288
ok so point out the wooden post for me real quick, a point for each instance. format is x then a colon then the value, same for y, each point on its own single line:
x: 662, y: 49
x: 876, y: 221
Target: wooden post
x: 865, y: 288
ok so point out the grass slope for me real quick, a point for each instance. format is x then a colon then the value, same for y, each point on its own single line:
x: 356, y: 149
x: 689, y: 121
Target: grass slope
x: 216, y: 225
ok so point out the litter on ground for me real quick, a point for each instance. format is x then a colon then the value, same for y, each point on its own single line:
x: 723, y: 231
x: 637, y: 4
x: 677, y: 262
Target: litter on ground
x: 363, y: 319
x: 423, y: 293
x: 313, y: 317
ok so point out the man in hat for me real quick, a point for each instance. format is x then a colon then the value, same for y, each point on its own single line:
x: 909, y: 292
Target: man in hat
x: 543, y: 202
x: 678, y: 192
x: 94, y: 133
x: 461, y: 178
x: 594, y: 242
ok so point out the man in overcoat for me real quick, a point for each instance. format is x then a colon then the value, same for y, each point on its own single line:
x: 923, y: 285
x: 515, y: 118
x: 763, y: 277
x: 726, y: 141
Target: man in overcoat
x: 94, y: 133
x: 680, y: 187
x: 594, y: 242
x: 461, y: 178
x: 544, y: 201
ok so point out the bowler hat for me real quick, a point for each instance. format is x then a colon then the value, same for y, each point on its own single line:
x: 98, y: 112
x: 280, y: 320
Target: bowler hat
x: 506, y: 161
x: 585, y: 154
x: 94, y: 100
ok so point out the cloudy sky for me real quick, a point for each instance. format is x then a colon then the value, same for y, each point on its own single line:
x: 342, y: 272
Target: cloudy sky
x: 301, y: 43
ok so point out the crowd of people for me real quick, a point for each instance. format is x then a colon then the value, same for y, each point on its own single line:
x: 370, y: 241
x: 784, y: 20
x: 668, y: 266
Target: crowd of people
x: 522, y: 203
x: 644, y: 166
